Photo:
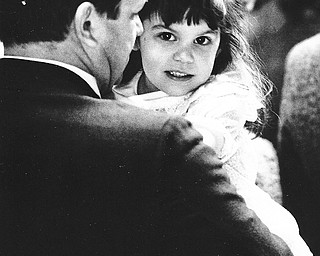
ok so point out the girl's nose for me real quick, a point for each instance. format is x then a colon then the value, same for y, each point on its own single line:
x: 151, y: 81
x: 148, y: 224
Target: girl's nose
x: 184, y: 55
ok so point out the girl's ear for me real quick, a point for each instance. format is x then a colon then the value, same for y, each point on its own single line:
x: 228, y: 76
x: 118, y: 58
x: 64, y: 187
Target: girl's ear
x: 136, y: 46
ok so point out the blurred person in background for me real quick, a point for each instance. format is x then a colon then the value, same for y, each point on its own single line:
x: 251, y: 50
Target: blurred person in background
x: 278, y: 25
x: 287, y: 41
x: 299, y: 138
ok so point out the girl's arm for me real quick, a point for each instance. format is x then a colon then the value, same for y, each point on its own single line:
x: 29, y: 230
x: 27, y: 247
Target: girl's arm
x: 221, y: 118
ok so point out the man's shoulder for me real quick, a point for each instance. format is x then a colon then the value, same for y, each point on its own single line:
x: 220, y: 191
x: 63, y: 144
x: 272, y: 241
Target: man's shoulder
x: 305, y: 51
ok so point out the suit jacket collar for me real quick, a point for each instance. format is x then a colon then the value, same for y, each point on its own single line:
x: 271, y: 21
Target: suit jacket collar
x: 37, y: 77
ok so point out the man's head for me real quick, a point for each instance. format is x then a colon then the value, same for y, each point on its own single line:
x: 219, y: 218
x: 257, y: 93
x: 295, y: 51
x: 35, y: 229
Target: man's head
x: 25, y: 21
x: 96, y: 35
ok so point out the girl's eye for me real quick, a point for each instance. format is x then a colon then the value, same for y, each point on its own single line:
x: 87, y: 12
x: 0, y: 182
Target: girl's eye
x: 202, y: 40
x: 166, y: 36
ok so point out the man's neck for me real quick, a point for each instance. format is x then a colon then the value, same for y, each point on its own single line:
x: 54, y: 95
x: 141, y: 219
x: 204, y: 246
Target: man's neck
x: 58, y: 51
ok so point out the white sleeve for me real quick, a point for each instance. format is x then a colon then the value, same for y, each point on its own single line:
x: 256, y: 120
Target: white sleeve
x: 224, y: 113
x: 279, y: 220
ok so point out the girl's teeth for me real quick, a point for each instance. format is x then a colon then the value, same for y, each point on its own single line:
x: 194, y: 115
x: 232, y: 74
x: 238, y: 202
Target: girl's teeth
x: 178, y: 74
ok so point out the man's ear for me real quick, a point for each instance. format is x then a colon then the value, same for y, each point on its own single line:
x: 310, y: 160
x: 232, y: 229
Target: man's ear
x: 85, y: 21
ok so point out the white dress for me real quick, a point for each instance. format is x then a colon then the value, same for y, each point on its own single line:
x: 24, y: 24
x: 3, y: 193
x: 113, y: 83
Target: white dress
x: 225, y: 103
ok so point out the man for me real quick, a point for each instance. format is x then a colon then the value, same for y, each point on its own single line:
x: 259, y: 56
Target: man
x: 85, y: 176
x: 299, y: 137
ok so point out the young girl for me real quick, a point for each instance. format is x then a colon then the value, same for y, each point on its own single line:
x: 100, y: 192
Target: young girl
x: 197, y: 63
x: 184, y: 55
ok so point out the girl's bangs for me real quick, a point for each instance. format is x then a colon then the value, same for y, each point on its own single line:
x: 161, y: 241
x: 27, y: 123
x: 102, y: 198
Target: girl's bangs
x: 177, y: 11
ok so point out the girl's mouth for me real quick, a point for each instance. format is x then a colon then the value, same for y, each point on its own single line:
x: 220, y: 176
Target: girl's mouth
x: 177, y: 75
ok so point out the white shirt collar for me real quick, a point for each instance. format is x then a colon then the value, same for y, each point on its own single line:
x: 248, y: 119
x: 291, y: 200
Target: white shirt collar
x: 91, y: 81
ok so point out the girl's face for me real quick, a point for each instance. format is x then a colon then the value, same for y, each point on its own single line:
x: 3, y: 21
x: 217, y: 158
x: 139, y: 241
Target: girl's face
x: 179, y: 58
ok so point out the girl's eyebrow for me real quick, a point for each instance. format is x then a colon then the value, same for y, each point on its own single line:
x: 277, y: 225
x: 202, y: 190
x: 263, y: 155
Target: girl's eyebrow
x: 162, y: 26
x: 210, y: 31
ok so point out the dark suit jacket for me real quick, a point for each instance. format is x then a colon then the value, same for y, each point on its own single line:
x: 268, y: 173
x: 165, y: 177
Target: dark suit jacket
x: 85, y: 176
x: 299, y: 138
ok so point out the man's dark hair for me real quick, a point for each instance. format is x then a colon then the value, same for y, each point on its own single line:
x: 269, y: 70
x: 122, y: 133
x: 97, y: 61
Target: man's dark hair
x: 24, y: 21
